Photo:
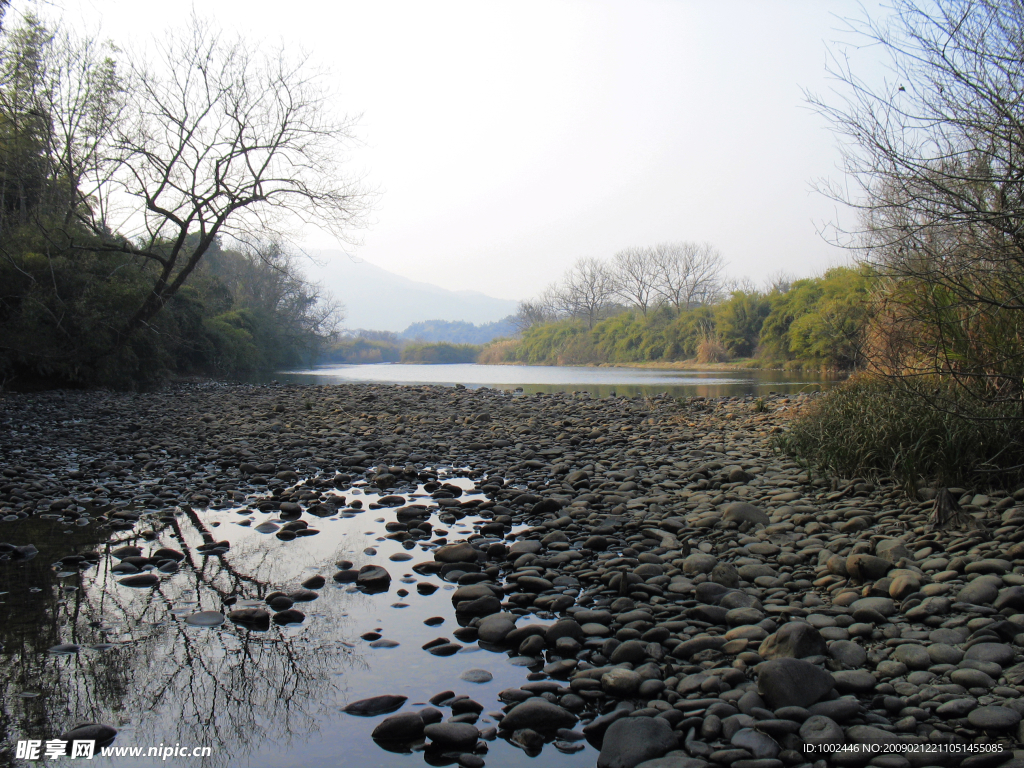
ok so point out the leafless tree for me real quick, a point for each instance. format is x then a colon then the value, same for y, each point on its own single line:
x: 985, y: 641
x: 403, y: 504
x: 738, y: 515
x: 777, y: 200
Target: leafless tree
x: 740, y: 285
x: 586, y: 291
x: 687, y: 274
x: 779, y: 281
x: 200, y: 137
x: 635, y: 274
x: 934, y: 157
x: 533, y: 312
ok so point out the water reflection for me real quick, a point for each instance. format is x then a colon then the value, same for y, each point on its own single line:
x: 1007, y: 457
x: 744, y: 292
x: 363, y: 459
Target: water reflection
x: 259, y: 698
x: 139, y: 666
x: 598, y: 381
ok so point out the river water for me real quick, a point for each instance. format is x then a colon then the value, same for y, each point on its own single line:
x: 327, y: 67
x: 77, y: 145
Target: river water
x: 600, y: 381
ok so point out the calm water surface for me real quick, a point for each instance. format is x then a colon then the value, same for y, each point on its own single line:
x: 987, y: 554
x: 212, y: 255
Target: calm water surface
x: 264, y: 699
x: 601, y: 381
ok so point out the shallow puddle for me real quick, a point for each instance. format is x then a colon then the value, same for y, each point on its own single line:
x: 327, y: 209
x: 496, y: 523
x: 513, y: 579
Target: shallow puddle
x: 80, y: 647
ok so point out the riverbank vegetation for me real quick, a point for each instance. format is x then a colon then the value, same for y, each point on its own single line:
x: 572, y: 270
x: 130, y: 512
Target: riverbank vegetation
x: 386, y: 347
x: 812, y: 324
x: 936, y: 158
x: 142, y: 207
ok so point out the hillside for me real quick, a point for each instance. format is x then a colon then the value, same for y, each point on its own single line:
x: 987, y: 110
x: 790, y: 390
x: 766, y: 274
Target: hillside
x: 379, y: 299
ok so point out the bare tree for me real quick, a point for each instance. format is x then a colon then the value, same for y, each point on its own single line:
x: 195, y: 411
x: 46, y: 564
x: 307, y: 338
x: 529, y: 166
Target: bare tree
x: 687, y: 274
x: 740, y: 285
x: 635, y: 271
x: 586, y: 291
x: 534, y: 312
x: 936, y: 157
x: 779, y: 281
x: 202, y: 137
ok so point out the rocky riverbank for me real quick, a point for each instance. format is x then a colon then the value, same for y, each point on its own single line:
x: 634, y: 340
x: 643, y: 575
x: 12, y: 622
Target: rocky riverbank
x: 676, y: 594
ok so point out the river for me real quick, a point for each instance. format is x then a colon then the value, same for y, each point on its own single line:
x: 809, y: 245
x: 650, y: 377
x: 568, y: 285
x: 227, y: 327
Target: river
x: 600, y: 381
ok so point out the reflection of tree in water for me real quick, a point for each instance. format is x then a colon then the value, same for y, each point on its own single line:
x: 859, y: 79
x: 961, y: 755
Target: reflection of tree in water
x: 228, y: 687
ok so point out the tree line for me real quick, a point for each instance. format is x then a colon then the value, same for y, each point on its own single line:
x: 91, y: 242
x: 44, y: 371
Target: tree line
x: 145, y: 201
x: 813, y: 323
x: 678, y: 275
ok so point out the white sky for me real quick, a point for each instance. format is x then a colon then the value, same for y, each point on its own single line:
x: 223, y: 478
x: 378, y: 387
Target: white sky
x: 510, y: 137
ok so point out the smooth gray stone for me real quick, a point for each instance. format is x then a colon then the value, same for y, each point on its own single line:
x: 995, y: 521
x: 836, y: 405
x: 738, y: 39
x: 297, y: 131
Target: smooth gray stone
x: 630, y: 741
x: 404, y: 726
x: 848, y: 653
x: 456, y: 735
x: 794, y: 639
x: 376, y: 705
x: 982, y: 591
x: 538, y: 714
x: 995, y: 653
x: 760, y: 745
x: 792, y: 683
x: 818, y: 729
x: 994, y: 717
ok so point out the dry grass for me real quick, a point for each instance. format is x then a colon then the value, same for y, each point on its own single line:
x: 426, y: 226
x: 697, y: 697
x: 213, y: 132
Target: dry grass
x: 711, y: 350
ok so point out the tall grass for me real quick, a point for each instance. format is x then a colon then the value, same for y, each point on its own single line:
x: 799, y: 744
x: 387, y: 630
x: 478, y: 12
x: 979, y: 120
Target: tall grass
x: 710, y: 349
x: 499, y: 351
x: 872, y: 426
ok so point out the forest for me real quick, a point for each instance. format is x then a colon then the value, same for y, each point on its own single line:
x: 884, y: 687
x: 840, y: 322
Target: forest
x: 142, y: 209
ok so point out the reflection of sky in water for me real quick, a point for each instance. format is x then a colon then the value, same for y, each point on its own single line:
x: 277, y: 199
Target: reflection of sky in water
x: 258, y: 698
x: 542, y: 378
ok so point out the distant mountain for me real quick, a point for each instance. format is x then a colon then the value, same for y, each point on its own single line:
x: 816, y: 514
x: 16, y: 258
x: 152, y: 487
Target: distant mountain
x: 458, y: 331
x: 378, y: 299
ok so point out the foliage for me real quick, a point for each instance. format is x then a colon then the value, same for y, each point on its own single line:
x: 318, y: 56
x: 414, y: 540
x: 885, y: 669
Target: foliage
x: 818, y: 323
x: 117, y: 184
x: 361, y: 350
x: 821, y: 320
x: 566, y: 342
x: 442, y: 352
x: 499, y: 351
x: 458, y: 331
x: 866, y: 426
x: 738, y: 321
x: 935, y: 159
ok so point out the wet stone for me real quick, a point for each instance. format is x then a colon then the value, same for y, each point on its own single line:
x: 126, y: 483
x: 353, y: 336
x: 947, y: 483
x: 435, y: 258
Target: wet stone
x: 476, y: 676
x: 377, y: 705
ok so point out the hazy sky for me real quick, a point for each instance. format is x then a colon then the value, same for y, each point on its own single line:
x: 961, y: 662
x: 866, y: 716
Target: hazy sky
x: 507, y: 139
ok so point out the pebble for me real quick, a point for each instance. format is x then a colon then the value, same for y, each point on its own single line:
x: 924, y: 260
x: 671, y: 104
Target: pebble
x: 663, y: 564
